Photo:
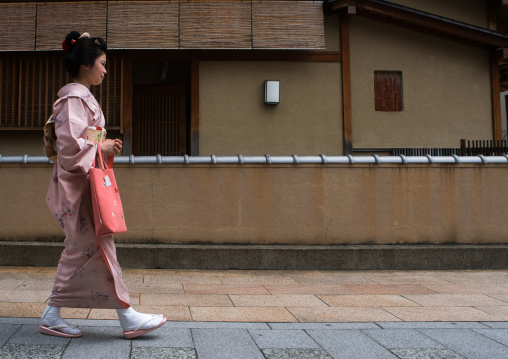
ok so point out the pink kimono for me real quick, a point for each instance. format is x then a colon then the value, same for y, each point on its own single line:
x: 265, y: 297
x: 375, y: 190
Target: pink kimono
x: 88, y: 274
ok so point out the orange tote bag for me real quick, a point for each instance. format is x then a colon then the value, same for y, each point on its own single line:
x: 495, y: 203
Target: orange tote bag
x: 107, y: 207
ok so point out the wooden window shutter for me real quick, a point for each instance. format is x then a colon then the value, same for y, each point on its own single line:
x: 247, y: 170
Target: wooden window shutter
x: 108, y: 94
x: 288, y: 25
x: 215, y: 25
x: 143, y: 25
x: 17, y: 32
x: 55, y: 20
x: 29, y: 84
x: 388, y: 90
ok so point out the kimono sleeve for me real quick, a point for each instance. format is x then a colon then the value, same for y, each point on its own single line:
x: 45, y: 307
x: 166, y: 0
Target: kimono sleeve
x: 75, y: 152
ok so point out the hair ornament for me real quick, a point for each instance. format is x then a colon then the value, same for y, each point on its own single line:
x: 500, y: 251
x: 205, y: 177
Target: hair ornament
x: 73, y: 41
x: 85, y: 34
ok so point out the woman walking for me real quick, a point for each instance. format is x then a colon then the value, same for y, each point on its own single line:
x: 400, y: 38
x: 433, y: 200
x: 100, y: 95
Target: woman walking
x: 88, y: 274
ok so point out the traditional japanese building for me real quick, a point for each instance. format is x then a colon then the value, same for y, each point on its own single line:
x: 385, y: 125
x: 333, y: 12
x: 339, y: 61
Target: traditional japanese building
x: 224, y: 78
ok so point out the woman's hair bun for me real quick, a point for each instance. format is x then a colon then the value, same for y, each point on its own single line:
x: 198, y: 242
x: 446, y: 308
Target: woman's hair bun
x: 73, y: 35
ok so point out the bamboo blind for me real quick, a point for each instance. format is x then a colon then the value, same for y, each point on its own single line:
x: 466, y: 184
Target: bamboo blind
x: 215, y: 25
x: 56, y: 20
x: 143, y: 25
x: 17, y: 31
x: 288, y: 25
x: 190, y: 24
x: 29, y: 86
x: 162, y: 117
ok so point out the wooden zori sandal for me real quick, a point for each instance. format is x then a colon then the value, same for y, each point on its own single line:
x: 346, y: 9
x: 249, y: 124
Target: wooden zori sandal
x: 55, y: 330
x: 129, y: 334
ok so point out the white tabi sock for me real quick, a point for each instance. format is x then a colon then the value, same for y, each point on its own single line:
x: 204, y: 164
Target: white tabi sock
x: 130, y: 319
x: 51, y: 317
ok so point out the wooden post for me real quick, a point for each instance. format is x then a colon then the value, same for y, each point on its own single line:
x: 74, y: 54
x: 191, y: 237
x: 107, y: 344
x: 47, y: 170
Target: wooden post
x: 346, y: 80
x: 496, y: 97
x: 194, y: 115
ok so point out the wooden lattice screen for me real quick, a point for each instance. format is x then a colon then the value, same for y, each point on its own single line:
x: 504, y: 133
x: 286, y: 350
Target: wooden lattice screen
x: 160, y: 128
x: 29, y: 84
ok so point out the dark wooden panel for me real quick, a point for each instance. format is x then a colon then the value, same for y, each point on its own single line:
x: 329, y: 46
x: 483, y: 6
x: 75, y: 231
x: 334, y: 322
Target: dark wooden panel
x: 388, y: 90
x: 160, y: 120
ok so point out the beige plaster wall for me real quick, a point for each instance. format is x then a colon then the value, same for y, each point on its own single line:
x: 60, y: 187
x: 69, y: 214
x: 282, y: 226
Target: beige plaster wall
x: 446, y: 88
x: 304, y: 204
x: 17, y: 143
x: 471, y: 11
x: 235, y: 120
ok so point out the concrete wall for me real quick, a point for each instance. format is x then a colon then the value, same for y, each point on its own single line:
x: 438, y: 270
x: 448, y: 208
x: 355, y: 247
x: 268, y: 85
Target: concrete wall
x: 234, y: 118
x: 282, y: 204
x: 446, y: 88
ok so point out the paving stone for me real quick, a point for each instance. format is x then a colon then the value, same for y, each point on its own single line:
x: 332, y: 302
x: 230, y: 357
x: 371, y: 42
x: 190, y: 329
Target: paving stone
x: 468, y: 343
x: 202, y: 300
x: 366, y: 300
x: 225, y: 344
x: 24, y: 296
x: 448, y: 314
x: 401, y: 338
x: 98, y: 342
x: 341, y: 314
x: 454, y: 300
x: 308, y: 289
x: 361, y: 325
x: 166, y: 353
x: 218, y: 325
x: 349, y: 344
x: 6, y: 331
x: 499, y: 335
x: 282, y: 339
x: 500, y: 325
x: 381, y: 289
x: 31, y: 334
x: 242, y: 314
x: 17, y: 320
x: 426, y: 354
x: 278, y: 353
x: 191, y: 288
x: 499, y: 312
x: 31, y: 351
x: 166, y: 336
x: 431, y: 325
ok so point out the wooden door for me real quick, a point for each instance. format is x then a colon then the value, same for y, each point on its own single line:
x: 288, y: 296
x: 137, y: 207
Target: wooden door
x: 159, y: 120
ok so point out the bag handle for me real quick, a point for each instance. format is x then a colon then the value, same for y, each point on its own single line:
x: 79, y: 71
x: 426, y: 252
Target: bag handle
x: 99, y: 153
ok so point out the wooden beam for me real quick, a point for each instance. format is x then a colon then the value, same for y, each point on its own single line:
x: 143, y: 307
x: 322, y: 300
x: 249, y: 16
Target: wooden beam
x: 238, y: 55
x: 496, y: 99
x: 346, y: 84
x: 194, y: 115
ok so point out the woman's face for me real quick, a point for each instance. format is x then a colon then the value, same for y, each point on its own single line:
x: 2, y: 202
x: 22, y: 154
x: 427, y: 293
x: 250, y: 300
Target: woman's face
x: 96, y: 73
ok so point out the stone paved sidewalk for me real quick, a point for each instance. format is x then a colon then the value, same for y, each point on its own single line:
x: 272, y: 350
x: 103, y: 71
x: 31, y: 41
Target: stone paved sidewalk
x: 273, y: 314
x: 282, y: 296
x: 20, y: 338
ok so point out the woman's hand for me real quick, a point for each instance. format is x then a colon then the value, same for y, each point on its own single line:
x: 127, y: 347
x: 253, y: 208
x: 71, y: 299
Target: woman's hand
x: 111, y: 147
